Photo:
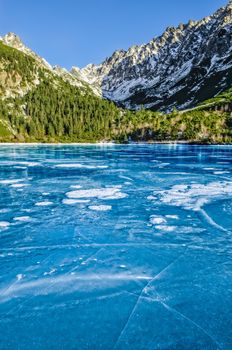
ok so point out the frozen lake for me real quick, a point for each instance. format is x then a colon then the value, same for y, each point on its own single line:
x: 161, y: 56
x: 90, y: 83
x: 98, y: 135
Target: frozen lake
x: 115, y: 247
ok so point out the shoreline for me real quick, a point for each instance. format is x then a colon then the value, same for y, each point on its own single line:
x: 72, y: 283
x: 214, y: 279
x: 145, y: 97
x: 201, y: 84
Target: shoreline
x: 174, y: 143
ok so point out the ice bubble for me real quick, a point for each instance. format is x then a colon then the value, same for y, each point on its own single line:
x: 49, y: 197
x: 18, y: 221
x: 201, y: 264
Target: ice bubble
x: 9, y: 182
x: 75, y: 201
x: 18, y: 185
x: 4, y: 224
x: 175, y: 217
x: 43, y: 204
x: 50, y: 272
x: 3, y: 211
x: 22, y: 218
x: 100, y: 193
x: 19, y: 276
x: 166, y: 228
x: 151, y: 198
x: 155, y: 219
x: 122, y: 266
x: 80, y: 166
x: 100, y: 207
x: 125, y: 177
x: 19, y: 163
x: 221, y: 172
x: 29, y: 163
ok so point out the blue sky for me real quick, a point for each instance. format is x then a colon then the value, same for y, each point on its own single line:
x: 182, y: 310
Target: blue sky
x: 78, y: 32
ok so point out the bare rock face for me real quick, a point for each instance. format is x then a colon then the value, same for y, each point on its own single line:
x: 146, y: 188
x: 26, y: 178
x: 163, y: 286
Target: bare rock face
x: 13, y: 40
x: 179, y: 69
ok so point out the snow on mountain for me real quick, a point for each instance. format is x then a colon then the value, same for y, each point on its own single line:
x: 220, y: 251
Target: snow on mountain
x: 180, y: 68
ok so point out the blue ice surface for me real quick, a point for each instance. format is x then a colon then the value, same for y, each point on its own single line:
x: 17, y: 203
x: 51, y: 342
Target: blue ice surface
x: 115, y: 247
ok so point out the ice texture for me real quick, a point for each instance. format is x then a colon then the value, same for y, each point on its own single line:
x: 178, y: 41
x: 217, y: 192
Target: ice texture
x: 115, y: 247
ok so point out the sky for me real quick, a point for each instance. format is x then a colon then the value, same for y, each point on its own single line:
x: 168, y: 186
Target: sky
x: 78, y: 32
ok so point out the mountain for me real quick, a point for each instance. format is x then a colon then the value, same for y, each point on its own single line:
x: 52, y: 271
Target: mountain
x: 179, y: 69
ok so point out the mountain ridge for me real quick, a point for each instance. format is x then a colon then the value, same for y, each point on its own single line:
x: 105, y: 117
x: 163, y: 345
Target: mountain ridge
x: 147, y: 76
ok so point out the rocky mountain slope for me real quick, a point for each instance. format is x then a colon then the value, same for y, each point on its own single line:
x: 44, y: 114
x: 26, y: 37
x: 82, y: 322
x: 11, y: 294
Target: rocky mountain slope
x: 181, y: 68
x: 13, y: 41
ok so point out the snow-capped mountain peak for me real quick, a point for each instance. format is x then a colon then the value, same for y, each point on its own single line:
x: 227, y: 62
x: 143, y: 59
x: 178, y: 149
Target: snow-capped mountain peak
x: 180, y: 68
